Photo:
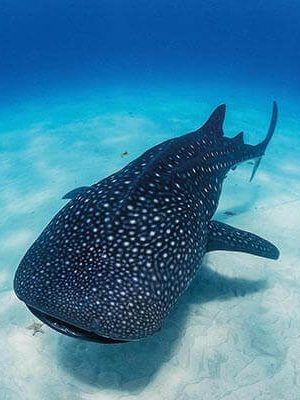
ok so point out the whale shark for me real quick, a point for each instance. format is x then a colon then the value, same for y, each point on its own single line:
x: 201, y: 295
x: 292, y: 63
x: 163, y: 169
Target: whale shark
x: 112, y: 263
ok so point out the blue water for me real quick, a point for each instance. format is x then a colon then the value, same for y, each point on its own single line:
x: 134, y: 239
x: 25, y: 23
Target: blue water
x: 82, y: 82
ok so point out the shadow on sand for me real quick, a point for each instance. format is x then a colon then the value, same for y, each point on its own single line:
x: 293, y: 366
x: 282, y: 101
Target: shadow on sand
x: 130, y: 367
x: 239, y: 209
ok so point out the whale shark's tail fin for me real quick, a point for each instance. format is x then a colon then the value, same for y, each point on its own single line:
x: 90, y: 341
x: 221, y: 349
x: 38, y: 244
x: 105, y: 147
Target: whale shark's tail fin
x: 208, y: 152
x: 236, y: 151
x: 225, y: 237
x: 267, y: 139
x: 226, y: 153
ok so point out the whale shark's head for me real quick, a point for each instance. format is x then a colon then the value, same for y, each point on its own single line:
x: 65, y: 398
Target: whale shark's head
x: 89, y: 272
x: 86, y: 294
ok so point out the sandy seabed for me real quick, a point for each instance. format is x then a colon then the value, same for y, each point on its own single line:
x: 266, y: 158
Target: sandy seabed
x: 233, y: 335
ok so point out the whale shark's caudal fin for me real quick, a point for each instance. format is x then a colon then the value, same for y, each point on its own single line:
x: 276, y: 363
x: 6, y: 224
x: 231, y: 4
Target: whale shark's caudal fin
x: 267, y: 138
x: 224, y: 153
x: 225, y: 237
x: 236, y: 151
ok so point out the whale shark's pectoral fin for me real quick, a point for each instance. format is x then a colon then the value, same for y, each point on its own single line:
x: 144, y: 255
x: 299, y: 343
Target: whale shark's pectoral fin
x: 75, y: 192
x: 225, y: 237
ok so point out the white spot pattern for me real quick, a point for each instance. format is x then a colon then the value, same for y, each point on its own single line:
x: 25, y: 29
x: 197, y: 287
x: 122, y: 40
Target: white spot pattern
x: 117, y: 257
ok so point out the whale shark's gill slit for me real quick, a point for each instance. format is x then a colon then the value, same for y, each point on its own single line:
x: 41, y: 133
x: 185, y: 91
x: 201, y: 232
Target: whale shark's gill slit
x: 72, y: 330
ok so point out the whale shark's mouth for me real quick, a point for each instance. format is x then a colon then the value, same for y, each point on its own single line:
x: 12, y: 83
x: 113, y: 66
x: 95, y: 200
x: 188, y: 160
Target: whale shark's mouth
x: 72, y: 330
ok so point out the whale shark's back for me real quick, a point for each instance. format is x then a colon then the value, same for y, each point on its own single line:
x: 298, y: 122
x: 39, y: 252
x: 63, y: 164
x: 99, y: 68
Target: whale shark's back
x: 116, y: 258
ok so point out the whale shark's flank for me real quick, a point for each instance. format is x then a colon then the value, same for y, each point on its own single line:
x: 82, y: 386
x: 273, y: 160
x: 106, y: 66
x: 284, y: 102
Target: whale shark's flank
x: 113, y: 262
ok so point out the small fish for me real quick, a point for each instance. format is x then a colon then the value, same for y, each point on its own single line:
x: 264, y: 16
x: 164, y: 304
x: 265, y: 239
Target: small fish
x: 230, y: 213
x: 112, y: 263
x: 124, y: 154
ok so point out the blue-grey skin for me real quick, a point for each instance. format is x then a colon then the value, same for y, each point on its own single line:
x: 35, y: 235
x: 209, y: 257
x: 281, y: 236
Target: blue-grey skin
x: 113, y: 262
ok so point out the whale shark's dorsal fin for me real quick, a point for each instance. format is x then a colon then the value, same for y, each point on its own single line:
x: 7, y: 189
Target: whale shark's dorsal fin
x: 214, y: 124
x: 239, y: 138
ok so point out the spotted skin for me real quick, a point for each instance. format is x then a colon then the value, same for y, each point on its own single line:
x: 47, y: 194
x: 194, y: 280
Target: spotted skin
x: 113, y: 262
